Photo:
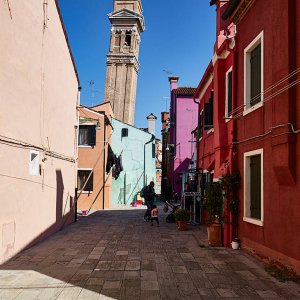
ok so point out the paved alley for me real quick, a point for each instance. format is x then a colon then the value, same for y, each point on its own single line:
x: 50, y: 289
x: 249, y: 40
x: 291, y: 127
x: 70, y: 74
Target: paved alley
x: 116, y: 255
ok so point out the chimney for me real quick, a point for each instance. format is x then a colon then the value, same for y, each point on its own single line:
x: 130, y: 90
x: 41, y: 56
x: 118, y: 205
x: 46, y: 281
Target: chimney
x: 173, y: 82
x: 151, y: 123
x: 221, y: 24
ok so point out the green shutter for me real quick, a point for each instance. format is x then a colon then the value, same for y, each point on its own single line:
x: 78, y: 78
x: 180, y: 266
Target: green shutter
x: 229, y: 94
x: 255, y: 76
x: 255, y: 186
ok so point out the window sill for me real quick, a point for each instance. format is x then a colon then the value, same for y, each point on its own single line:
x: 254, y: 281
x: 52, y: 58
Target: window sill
x: 227, y: 119
x: 85, y: 146
x: 86, y: 192
x: 253, y: 221
x: 252, y: 108
x: 210, y: 131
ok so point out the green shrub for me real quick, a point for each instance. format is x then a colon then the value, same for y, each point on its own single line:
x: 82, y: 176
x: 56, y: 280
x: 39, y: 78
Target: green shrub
x: 182, y: 215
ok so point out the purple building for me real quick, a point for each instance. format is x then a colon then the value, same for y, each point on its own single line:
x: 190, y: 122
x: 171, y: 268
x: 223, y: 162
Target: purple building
x: 183, y: 120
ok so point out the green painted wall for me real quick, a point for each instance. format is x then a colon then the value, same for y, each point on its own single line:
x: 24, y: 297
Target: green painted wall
x: 130, y: 181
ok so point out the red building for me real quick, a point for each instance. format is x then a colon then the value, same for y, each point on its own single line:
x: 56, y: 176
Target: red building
x: 254, y: 76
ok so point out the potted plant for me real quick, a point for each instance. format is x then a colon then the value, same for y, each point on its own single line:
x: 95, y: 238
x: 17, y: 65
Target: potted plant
x: 213, y: 201
x: 182, y: 216
x: 230, y: 185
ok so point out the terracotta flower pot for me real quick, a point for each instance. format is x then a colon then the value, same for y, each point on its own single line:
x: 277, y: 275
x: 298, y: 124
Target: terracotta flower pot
x: 214, y: 235
x: 182, y: 225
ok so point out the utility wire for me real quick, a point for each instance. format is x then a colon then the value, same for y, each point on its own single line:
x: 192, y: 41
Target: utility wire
x: 293, y: 73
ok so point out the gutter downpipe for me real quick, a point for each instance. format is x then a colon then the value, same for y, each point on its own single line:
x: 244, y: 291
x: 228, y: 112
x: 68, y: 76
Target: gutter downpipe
x: 76, y: 152
x: 234, y: 104
x: 104, y: 160
x: 150, y: 141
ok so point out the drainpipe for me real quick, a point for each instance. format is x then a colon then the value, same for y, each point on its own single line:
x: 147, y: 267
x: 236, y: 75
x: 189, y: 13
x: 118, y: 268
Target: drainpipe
x: 104, y: 160
x: 76, y: 152
x: 150, y: 141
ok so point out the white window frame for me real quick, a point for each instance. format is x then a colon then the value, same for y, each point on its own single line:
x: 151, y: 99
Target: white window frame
x: 202, y: 133
x: 85, y: 124
x: 247, y: 199
x: 228, y: 118
x: 34, y: 165
x: 85, y: 169
x: 247, y: 55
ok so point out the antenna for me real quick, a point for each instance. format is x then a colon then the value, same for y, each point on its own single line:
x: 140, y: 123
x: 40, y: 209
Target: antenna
x: 166, y: 98
x: 167, y: 72
x: 91, y: 84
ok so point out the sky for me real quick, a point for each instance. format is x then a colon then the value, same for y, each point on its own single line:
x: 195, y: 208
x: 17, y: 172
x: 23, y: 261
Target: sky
x: 178, y: 41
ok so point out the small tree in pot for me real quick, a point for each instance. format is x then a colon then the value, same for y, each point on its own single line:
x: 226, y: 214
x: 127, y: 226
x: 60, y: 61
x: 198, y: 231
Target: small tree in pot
x: 182, y: 216
x: 230, y: 185
x: 213, y: 201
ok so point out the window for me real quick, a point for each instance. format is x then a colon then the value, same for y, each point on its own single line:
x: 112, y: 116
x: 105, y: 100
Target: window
x: 34, y: 163
x: 253, y: 64
x: 209, y: 113
x: 153, y: 150
x: 228, y: 105
x: 124, y: 132
x: 253, y: 192
x: 82, y: 178
x: 87, y: 135
x: 200, y: 125
x: 128, y: 38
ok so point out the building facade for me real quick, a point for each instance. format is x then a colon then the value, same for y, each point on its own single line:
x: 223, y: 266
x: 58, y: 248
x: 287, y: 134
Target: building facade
x: 183, y: 120
x: 39, y: 92
x: 136, y: 148
x: 255, y: 122
x: 267, y: 120
x: 95, y: 131
x: 127, y: 24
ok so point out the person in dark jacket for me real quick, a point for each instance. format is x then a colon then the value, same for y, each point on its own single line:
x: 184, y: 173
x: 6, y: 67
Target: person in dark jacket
x: 149, y: 195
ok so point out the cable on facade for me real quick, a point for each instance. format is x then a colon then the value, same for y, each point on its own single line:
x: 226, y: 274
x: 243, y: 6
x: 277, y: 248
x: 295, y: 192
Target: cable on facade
x: 19, y: 144
x: 292, y: 84
x: 291, y: 74
x: 270, y: 131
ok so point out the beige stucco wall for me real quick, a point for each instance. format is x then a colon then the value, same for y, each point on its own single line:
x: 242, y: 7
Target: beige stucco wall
x: 38, y: 97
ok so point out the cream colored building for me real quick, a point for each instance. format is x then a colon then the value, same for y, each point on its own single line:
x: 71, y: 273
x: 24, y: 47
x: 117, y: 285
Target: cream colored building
x: 38, y: 124
x: 127, y: 24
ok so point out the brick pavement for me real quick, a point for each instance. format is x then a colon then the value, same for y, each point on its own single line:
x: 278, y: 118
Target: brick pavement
x: 116, y: 255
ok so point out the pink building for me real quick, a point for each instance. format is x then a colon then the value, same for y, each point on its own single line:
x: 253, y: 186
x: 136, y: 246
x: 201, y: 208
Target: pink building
x: 39, y: 93
x: 183, y: 120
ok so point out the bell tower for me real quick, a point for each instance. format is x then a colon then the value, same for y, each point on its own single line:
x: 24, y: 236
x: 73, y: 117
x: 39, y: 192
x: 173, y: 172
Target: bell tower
x: 127, y: 24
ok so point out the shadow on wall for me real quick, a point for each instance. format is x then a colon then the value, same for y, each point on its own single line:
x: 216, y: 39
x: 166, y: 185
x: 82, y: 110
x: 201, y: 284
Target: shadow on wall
x: 183, y: 167
x: 62, y: 218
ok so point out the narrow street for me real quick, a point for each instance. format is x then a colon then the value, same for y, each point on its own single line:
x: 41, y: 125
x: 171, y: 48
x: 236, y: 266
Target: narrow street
x: 116, y: 255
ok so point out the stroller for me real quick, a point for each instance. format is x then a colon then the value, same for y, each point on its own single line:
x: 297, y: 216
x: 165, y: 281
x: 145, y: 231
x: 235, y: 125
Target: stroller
x: 170, y: 217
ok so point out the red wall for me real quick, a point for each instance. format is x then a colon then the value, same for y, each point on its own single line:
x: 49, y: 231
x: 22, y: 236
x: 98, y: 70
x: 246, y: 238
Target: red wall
x: 279, y: 236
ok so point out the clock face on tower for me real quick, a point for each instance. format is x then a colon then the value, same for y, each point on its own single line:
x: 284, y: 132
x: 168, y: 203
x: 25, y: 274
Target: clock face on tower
x: 127, y: 24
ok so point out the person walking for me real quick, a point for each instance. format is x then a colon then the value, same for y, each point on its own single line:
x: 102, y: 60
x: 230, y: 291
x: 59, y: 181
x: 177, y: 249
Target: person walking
x: 149, y: 195
x: 154, y: 215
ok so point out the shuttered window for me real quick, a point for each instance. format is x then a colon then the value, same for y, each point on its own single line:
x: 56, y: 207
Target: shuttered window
x: 200, y: 125
x: 229, y: 94
x: 255, y: 75
x: 253, y: 176
x: 255, y: 187
x: 209, y: 113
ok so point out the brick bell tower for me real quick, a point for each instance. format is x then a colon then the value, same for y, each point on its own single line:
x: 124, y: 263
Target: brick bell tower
x: 127, y: 24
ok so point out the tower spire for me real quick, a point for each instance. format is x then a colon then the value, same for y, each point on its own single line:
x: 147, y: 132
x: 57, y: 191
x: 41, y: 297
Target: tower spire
x: 127, y: 24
